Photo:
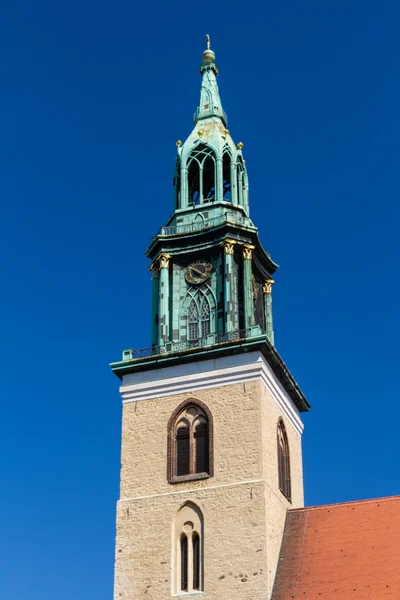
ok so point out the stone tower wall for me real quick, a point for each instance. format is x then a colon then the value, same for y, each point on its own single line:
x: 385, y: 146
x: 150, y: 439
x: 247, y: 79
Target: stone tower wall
x: 242, y: 507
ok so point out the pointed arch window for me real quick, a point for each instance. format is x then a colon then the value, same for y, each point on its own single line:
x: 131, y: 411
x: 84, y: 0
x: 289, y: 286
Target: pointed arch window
x: 198, y: 318
x: 284, y: 461
x: 201, y: 175
x: 240, y: 181
x: 187, y: 558
x: 190, y: 443
x: 226, y: 177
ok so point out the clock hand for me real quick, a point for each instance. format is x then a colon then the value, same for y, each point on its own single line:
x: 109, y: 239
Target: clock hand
x: 198, y: 271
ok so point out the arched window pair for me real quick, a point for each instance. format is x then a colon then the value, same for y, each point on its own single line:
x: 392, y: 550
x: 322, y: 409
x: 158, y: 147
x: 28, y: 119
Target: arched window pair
x: 198, y: 313
x: 284, y: 461
x: 198, y: 320
x: 188, y: 550
x: 190, y: 442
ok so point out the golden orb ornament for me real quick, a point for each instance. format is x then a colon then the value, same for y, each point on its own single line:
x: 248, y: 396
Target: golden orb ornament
x: 178, y: 143
x: 240, y: 145
x: 208, y: 55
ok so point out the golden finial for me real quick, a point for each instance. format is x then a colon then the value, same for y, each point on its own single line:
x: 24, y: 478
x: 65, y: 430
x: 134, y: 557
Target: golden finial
x: 226, y: 131
x: 208, y: 55
x: 178, y: 143
x: 240, y: 145
x: 200, y: 132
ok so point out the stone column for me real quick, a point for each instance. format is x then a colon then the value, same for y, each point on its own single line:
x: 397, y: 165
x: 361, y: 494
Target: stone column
x: 155, y: 291
x: 269, y: 327
x: 219, y: 184
x: 184, y: 188
x: 247, y: 253
x: 234, y: 196
x: 229, y: 249
x: 163, y: 311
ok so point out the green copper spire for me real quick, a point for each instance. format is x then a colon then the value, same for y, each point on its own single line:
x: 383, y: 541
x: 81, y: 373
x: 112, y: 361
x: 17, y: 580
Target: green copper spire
x: 210, y: 102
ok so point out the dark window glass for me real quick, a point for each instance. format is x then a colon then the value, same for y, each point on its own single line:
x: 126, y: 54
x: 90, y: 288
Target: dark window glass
x: 184, y: 563
x: 182, y: 451
x: 196, y: 561
x: 201, y: 442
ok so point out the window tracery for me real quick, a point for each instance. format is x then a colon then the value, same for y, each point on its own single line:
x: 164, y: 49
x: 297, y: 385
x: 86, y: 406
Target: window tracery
x: 187, y: 558
x: 201, y: 175
x: 190, y: 442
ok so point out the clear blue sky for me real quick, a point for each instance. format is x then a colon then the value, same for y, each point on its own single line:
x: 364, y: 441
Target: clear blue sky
x: 93, y: 97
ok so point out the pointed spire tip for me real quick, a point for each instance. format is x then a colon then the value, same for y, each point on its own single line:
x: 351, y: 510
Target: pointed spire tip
x: 208, y: 55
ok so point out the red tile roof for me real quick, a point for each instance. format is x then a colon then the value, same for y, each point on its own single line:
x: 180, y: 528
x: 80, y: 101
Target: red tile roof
x: 345, y: 551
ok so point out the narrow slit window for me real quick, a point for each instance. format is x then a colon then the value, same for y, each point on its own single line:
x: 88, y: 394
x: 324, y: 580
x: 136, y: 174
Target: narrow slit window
x: 184, y: 563
x: 196, y: 561
x: 226, y: 177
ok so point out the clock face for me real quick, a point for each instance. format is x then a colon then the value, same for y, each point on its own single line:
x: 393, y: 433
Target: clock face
x: 198, y: 272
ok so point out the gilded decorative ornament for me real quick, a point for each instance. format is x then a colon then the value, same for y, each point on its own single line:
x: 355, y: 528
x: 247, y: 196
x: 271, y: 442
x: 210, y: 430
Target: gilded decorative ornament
x: 267, y: 287
x: 247, y: 252
x: 164, y: 261
x: 229, y: 246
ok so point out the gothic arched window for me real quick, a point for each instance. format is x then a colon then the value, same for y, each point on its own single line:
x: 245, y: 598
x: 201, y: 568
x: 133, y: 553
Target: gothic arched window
x: 283, y: 461
x: 188, y: 550
x: 226, y: 177
x: 198, y: 319
x: 190, y: 442
x: 201, y: 175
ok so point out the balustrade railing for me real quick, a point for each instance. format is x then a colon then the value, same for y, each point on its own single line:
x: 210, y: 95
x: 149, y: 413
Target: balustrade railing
x: 199, y: 225
x: 175, y: 347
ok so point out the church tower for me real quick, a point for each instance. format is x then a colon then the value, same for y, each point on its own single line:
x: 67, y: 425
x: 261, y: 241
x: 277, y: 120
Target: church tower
x: 211, y: 431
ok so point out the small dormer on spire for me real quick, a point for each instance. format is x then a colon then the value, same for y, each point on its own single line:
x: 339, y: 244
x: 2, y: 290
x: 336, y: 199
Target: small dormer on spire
x: 210, y: 103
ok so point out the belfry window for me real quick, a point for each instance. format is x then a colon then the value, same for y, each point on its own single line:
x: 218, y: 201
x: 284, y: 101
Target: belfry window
x: 188, y: 550
x: 284, y: 461
x: 201, y: 175
x: 240, y: 181
x: 226, y: 177
x: 189, y: 443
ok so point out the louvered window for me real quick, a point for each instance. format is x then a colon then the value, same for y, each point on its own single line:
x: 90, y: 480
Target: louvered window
x: 183, y: 451
x: 190, y: 444
x: 284, y: 462
x: 184, y: 563
x: 196, y: 561
x: 201, y: 444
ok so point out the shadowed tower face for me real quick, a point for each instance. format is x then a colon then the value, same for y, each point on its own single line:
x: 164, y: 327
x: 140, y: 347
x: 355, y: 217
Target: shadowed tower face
x: 211, y: 431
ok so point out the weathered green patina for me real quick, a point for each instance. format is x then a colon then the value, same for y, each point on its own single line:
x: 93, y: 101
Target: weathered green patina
x: 228, y: 309
x: 210, y: 223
